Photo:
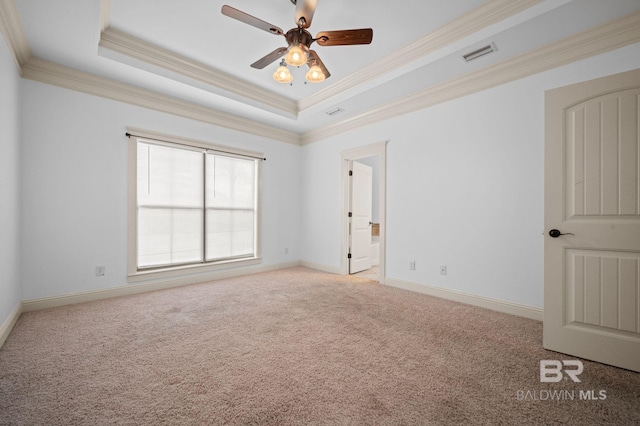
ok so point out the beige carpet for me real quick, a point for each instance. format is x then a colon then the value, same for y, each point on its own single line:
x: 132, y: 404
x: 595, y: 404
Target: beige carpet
x: 291, y: 347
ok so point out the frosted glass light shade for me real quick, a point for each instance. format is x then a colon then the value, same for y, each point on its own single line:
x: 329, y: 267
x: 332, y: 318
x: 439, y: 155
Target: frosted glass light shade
x: 296, y: 56
x: 282, y: 75
x: 315, y: 75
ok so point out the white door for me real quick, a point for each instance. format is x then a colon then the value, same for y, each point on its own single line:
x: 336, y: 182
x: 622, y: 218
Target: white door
x: 361, y: 208
x: 592, y: 193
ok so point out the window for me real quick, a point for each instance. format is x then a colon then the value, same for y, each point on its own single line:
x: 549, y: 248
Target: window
x: 193, y: 206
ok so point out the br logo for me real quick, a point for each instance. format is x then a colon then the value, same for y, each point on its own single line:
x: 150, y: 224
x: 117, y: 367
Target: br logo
x: 551, y: 370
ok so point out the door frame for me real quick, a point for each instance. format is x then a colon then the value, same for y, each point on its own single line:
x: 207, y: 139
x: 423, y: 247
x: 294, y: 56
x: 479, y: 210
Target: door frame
x: 379, y: 150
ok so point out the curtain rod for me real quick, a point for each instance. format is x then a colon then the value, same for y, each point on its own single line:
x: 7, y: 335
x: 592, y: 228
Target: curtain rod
x: 185, y: 144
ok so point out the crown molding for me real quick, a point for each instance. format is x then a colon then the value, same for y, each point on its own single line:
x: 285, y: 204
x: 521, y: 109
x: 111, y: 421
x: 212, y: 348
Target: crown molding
x: 58, y: 75
x: 214, y: 80
x: 11, y: 27
x: 491, y: 13
x: 598, y: 40
x: 601, y: 39
x: 126, y: 44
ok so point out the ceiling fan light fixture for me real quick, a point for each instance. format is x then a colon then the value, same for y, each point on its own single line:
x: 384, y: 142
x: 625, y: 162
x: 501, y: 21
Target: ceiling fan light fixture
x: 297, y: 51
x: 282, y: 74
x: 315, y: 75
x: 297, y: 55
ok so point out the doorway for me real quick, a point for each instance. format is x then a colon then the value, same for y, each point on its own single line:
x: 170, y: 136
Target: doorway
x: 367, y: 236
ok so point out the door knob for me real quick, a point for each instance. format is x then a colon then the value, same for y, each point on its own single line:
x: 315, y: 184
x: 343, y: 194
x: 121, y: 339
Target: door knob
x: 554, y: 233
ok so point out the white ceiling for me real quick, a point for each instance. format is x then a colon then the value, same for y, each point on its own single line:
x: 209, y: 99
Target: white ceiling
x: 416, y: 44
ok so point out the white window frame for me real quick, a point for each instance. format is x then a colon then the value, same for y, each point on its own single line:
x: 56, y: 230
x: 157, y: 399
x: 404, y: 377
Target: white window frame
x: 138, y: 275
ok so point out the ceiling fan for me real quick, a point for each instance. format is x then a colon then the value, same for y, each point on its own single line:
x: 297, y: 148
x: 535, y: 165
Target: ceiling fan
x: 299, y: 40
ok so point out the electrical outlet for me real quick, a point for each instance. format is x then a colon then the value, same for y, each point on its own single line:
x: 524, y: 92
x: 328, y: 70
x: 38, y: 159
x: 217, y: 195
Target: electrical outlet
x: 100, y: 271
x: 412, y: 265
x: 443, y: 270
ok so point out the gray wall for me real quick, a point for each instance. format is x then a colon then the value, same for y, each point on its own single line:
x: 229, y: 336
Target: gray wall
x: 75, y: 187
x: 465, y: 187
x: 10, y: 291
x: 456, y: 173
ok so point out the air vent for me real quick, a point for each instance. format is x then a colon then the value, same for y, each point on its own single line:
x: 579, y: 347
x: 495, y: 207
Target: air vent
x: 479, y: 52
x: 334, y: 111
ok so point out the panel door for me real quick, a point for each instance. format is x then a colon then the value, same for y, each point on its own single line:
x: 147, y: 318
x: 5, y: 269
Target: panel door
x: 361, y: 209
x: 592, y: 195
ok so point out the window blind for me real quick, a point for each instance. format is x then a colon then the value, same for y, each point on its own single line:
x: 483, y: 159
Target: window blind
x: 194, y: 206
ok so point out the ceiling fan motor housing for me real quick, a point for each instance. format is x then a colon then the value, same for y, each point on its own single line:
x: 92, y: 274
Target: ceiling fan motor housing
x: 298, y: 36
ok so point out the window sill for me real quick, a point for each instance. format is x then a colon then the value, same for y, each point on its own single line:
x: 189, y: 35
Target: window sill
x: 180, y: 271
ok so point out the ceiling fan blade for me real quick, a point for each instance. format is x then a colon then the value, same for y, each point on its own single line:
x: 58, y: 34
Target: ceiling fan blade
x: 269, y: 58
x: 251, y: 20
x: 315, y: 60
x: 344, y: 37
x: 305, y: 10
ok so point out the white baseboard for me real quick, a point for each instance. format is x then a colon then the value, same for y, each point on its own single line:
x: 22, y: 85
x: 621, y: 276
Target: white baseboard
x: 319, y: 267
x: 125, y: 290
x: 7, y: 325
x: 470, y: 299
